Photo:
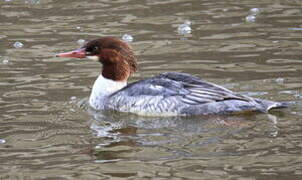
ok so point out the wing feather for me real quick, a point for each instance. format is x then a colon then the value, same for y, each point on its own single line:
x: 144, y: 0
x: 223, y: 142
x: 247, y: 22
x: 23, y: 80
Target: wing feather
x: 188, y: 89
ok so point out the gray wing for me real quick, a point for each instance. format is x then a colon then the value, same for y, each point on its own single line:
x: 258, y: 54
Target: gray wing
x: 189, y: 89
x: 201, y: 91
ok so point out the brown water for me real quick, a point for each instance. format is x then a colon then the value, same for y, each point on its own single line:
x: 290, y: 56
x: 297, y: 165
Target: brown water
x: 48, y: 132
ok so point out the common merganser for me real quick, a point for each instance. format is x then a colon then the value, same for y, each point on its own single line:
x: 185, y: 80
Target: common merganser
x: 167, y: 94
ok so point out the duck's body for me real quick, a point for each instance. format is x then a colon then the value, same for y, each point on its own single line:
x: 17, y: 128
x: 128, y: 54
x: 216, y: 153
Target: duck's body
x: 173, y: 94
x: 168, y: 94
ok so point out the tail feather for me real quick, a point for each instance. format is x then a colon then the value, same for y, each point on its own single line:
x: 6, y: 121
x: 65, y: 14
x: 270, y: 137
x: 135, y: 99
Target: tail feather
x: 268, y: 105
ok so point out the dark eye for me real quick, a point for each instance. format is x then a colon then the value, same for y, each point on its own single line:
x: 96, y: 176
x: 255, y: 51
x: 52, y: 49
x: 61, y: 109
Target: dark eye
x: 92, y: 50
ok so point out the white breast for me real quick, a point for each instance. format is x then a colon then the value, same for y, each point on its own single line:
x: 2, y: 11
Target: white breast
x: 101, y: 89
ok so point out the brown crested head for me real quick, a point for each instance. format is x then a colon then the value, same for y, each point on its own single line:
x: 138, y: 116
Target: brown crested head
x: 116, y: 56
x: 111, y: 50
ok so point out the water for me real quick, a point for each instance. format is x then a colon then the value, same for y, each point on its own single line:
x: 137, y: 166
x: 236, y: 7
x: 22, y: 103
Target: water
x: 49, y: 131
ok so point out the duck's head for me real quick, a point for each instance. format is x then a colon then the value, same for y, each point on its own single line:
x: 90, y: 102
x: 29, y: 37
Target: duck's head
x: 115, y: 55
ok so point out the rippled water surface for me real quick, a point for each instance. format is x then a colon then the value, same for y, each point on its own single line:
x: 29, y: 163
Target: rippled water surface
x: 47, y: 130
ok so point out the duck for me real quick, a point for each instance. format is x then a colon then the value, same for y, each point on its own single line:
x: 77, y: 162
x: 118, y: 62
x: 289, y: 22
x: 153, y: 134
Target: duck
x: 166, y: 94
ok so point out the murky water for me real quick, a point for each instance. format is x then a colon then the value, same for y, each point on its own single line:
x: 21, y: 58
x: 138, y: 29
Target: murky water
x: 47, y: 131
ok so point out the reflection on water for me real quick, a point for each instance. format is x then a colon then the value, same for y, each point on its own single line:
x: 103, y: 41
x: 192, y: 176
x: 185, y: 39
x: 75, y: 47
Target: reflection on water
x: 47, y: 130
x: 161, y: 132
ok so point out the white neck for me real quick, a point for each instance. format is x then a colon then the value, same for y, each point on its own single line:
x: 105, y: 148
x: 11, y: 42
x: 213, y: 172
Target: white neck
x: 101, y: 89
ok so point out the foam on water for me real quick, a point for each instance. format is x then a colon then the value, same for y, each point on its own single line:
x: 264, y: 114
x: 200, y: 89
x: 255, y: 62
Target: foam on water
x: 127, y: 38
x: 18, y: 45
x: 250, y: 18
x: 184, y: 29
x: 81, y: 42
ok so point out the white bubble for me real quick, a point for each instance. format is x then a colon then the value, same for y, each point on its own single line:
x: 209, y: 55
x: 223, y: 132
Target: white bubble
x: 184, y: 29
x: 18, y: 45
x: 78, y: 27
x: 73, y: 98
x: 280, y: 80
x: 81, y: 42
x: 127, y: 38
x: 250, y: 18
x: 255, y: 10
x: 5, y: 61
x: 2, y: 141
